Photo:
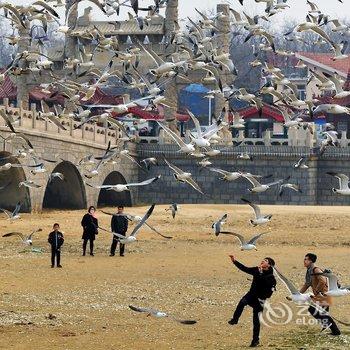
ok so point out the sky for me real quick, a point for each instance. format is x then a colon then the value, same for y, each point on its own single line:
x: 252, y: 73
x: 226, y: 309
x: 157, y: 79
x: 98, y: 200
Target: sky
x: 298, y: 8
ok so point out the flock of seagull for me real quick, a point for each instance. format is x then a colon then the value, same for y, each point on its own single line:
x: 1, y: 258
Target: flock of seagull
x: 194, y: 49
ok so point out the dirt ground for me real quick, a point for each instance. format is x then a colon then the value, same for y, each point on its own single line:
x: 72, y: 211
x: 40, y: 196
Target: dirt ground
x: 84, y: 305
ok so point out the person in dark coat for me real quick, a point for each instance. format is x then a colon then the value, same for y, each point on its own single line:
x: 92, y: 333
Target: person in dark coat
x: 90, y: 226
x: 119, y: 224
x: 262, y: 287
x: 56, y: 240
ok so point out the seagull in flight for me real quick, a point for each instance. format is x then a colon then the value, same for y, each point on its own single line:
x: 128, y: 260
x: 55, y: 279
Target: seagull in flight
x: 216, y: 226
x: 15, y: 214
x: 257, y: 186
x: 184, y: 147
x: 125, y: 187
x: 343, y: 183
x: 247, y: 245
x: 333, y: 288
x: 174, y: 209
x: 295, y: 296
x: 183, y: 176
x: 137, y: 218
x: 160, y: 314
x: 259, y: 218
x: 26, y: 239
x: 132, y: 237
x: 301, y: 164
x: 293, y: 187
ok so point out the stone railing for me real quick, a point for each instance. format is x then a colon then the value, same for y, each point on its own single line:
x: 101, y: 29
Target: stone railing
x: 295, y: 138
x: 30, y: 120
x: 301, y: 138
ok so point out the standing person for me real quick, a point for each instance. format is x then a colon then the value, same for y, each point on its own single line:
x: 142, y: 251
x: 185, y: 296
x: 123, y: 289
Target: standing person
x: 56, y: 240
x: 262, y: 287
x: 119, y: 224
x: 90, y: 225
x: 319, y: 285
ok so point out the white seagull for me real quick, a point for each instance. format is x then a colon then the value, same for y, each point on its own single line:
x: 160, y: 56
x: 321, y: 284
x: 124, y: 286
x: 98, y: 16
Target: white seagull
x: 184, y: 147
x: 136, y: 218
x: 333, y: 288
x: 259, y: 218
x: 174, y: 209
x: 26, y: 239
x: 216, y: 226
x: 295, y: 296
x: 257, y: 186
x: 132, y: 237
x: 293, y: 187
x: 247, y: 245
x: 301, y: 163
x: 183, y: 176
x: 15, y: 214
x: 343, y: 183
x: 160, y: 314
x: 125, y: 187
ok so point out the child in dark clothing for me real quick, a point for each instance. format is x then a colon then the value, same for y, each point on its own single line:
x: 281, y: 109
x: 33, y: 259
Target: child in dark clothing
x: 56, y: 240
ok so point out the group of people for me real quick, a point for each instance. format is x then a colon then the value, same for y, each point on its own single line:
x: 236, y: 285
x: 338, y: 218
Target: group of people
x: 119, y: 224
x: 264, y: 284
x: 262, y: 287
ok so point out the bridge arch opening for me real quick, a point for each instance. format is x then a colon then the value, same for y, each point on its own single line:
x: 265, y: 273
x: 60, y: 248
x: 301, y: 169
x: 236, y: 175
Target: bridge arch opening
x: 110, y: 198
x: 68, y: 193
x: 10, y: 192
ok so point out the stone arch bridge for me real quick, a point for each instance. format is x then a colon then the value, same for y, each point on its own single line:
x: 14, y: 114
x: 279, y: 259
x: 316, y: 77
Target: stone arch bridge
x: 67, y: 147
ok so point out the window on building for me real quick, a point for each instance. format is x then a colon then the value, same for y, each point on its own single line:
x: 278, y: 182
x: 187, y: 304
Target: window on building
x: 301, y: 92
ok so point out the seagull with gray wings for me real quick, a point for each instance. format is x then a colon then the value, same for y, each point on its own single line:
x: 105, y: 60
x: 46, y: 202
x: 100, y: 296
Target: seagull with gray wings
x: 290, y: 186
x: 13, y: 215
x: 259, y: 218
x: 295, y: 295
x: 334, y: 290
x: 216, y: 226
x: 343, y: 184
x: 125, y: 187
x: 132, y: 237
x: 183, y: 176
x: 160, y: 314
x: 26, y: 239
x: 174, y: 209
x: 257, y: 186
x: 301, y: 163
x: 248, y: 245
x: 137, y: 218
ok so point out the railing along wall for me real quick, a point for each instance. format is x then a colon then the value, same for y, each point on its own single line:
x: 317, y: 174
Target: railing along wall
x: 31, y: 120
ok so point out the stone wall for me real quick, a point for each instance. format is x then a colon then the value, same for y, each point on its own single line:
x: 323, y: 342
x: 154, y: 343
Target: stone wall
x: 274, y: 160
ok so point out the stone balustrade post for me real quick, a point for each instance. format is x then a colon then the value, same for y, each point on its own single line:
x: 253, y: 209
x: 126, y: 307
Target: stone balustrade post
x: 33, y: 110
x: 71, y: 127
x: 240, y: 135
x: 343, y: 140
x: 161, y: 140
x: 267, y: 138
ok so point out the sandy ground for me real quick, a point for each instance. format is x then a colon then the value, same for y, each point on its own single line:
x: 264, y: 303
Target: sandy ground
x: 85, y: 304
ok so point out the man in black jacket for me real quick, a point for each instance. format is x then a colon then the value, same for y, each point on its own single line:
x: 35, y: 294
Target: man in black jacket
x: 119, y: 224
x: 262, y: 287
x: 56, y: 240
